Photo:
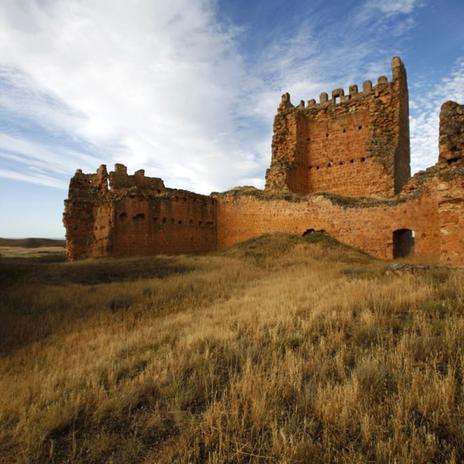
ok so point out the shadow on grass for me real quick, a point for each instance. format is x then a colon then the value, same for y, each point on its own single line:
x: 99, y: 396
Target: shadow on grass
x: 51, y: 270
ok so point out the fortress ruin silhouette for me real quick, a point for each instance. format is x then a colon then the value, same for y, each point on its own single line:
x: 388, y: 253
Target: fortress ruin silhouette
x: 341, y: 165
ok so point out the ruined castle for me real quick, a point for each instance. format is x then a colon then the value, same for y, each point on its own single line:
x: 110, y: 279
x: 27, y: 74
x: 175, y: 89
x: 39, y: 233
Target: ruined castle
x: 341, y: 165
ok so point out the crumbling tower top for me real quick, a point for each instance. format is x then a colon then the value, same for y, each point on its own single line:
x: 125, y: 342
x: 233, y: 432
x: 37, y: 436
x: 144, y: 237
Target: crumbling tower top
x: 354, y: 144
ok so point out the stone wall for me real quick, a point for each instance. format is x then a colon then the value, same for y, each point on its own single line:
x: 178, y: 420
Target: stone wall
x: 170, y: 223
x: 365, y: 224
x: 451, y: 143
x: 354, y: 148
x: 352, y: 145
x: 135, y: 215
x: 84, y: 217
x: 132, y: 220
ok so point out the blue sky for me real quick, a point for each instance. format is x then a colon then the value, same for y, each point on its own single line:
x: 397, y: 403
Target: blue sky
x: 187, y: 89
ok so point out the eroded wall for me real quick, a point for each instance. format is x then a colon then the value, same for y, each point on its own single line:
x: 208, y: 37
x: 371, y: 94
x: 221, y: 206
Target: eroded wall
x: 451, y: 217
x: 169, y: 223
x: 367, y: 225
x: 431, y: 204
x: 357, y: 149
x: 124, y: 215
x: 352, y: 145
x: 87, y: 215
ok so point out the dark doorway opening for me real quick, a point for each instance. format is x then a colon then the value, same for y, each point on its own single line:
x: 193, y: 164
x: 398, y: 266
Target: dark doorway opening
x: 403, y: 243
x: 307, y: 232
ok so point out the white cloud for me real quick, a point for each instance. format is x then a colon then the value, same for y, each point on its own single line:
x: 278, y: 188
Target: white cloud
x: 389, y: 8
x: 379, y: 14
x: 154, y: 85
x: 396, y: 6
x: 34, y: 179
x: 162, y: 85
x: 424, y: 119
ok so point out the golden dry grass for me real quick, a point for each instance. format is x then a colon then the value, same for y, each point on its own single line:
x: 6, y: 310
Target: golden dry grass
x: 275, y: 351
x: 45, y: 252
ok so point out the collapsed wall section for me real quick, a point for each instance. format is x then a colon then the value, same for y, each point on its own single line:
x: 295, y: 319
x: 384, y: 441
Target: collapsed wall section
x: 353, y: 145
x: 123, y: 215
x: 451, y: 143
x: 87, y: 215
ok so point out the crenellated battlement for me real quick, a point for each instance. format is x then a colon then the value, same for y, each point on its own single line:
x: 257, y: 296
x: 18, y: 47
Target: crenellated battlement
x: 340, y: 128
x: 120, y: 180
x: 338, y: 97
x: 340, y: 164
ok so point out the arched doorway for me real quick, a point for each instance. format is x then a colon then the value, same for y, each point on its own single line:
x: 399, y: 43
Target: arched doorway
x: 403, y: 243
x: 307, y: 232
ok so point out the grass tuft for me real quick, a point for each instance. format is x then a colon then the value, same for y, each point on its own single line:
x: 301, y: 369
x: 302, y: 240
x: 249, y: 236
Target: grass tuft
x: 280, y: 349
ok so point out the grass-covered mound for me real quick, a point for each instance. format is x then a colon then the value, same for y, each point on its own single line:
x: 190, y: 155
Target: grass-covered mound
x: 281, y: 349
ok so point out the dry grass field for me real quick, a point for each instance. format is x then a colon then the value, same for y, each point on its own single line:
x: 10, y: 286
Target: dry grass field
x: 279, y: 350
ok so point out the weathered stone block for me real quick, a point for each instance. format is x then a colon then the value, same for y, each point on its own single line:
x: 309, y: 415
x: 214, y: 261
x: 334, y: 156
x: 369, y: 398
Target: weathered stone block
x: 451, y: 142
x: 322, y: 148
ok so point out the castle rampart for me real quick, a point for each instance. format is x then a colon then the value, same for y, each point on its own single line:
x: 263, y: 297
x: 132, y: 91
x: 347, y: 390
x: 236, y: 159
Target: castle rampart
x: 122, y: 215
x: 340, y: 165
x: 355, y: 144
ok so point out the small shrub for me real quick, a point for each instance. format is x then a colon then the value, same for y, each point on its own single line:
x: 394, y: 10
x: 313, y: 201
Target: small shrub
x: 118, y: 304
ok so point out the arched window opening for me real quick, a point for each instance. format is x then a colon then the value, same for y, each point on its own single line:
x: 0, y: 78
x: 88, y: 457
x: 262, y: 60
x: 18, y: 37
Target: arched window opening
x: 403, y: 243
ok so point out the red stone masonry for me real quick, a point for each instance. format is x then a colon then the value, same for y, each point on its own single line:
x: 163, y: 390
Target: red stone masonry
x: 341, y: 166
x: 123, y: 215
x: 352, y: 145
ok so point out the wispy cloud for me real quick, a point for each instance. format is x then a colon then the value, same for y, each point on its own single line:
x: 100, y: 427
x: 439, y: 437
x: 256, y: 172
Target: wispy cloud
x: 152, y: 84
x: 425, y: 116
x: 395, y: 6
x: 370, y: 10
x: 35, y: 178
x: 322, y: 54
x: 31, y: 154
x: 163, y: 85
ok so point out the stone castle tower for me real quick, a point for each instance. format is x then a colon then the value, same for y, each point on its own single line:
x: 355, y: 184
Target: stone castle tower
x: 341, y: 165
x: 353, y: 145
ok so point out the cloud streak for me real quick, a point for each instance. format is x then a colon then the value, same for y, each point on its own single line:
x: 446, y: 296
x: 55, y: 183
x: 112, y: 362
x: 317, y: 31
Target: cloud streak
x: 165, y: 87
x: 424, y: 121
x: 151, y: 84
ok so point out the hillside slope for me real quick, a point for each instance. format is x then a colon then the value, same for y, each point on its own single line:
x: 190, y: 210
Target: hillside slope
x: 31, y: 242
x: 281, y: 349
